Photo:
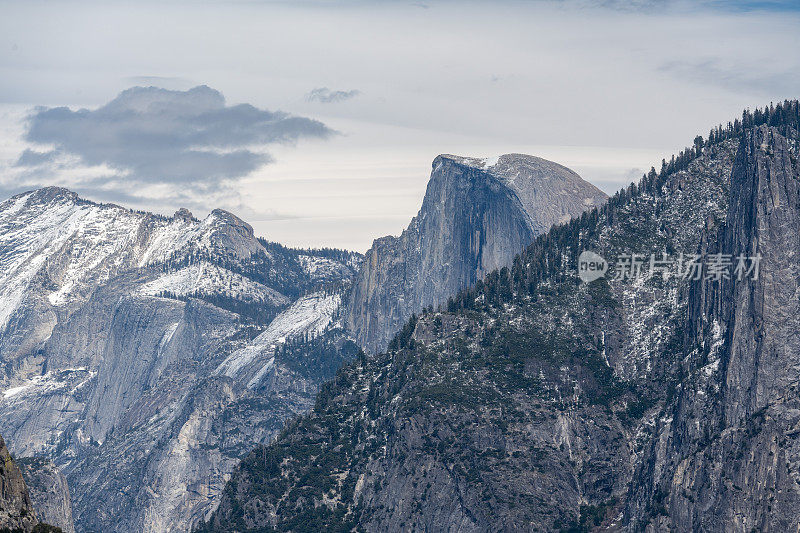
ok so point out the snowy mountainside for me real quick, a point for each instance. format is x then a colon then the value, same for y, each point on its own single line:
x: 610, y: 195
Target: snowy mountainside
x: 309, y: 315
x: 56, y: 248
x: 205, y: 279
x: 324, y: 268
x: 114, y: 324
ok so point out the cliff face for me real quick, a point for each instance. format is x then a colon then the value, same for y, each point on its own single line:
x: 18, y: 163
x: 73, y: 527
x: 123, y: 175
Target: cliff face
x: 49, y: 493
x: 726, y: 456
x: 16, y: 509
x: 139, y: 352
x: 476, y: 216
x: 538, y: 402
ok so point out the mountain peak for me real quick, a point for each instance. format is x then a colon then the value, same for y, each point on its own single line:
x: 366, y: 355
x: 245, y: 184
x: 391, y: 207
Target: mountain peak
x: 477, y: 214
x: 49, y: 194
x: 475, y: 162
x: 523, y: 172
x: 538, y: 184
x: 503, y: 164
x: 183, y: 214
x: 222, y: 217
x: 491, y: 163
x: 509, y: 165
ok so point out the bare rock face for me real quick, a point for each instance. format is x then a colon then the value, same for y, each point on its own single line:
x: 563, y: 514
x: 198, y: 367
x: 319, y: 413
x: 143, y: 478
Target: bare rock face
x: 49, y: 493
x: 476, y: 216
x: 727, y: 456
x: 183, y: 214
x: 16, y: 509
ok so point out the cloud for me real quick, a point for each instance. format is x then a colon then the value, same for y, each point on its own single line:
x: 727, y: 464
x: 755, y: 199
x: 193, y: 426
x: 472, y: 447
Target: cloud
x: 712, y: 71
x: 153, y: 136
x: 166, y: 82
x: 32, y: 158
x: 327, y: 96
x: 654, y: 6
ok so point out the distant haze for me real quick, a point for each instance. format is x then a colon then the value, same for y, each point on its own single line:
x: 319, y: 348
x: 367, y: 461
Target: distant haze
x: 318, y: 120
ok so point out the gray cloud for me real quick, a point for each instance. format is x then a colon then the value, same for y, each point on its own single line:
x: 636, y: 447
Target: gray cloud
x: 328, y: 96
x: 712, y: 71
x: 158, y: 136
x: 32, y: 158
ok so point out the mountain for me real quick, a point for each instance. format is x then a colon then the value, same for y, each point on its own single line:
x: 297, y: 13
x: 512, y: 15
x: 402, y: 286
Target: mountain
x: 16, y: 509
x: 140, y: 352
x: 538, y: 402
x: 477, y: 215
x: 49, y: 493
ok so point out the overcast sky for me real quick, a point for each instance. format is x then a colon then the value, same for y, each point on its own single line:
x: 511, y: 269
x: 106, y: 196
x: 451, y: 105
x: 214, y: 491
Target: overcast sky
x: 317, y: 121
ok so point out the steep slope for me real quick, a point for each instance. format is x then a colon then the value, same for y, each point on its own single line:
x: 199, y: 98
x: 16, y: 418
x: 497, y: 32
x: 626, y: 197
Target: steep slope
x: 16, y: 509
x: 539, y: 402
x: 49, y: 493
x: 726, y: 456
x: 476, y: 216
x: 116, y: 328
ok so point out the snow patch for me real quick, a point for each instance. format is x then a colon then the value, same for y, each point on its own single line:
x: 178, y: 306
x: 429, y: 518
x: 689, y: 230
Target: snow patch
x: 82, y: 240
x: 51, y: 382
x: 167, y: 240
x: 310, y: 314
x: 208, y: 279
x: 165, y: 340
x: 489, y: 162
x: 261, y: 373
x: 322, y: 268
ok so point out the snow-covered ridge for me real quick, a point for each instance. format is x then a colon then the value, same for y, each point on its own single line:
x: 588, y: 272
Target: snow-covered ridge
x: 206, y: 279
x: 55, y: 248
x: 71, y: 240
x: 310, y: 315
x: 320, y: 268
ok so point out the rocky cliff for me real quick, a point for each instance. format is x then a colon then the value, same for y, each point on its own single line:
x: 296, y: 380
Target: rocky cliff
x: 538, y: 402
x: 139, y: 351
x: 16, y: 509
x: 726, y: 455
x: 476, y: 216
x: 49, y: 493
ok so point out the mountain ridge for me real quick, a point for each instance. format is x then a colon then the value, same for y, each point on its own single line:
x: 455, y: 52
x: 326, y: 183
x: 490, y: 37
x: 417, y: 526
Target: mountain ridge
x: 114, y: 322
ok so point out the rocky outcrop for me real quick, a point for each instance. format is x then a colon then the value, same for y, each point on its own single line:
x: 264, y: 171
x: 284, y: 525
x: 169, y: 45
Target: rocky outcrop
x: 49, y: 493
x: 476, y: 216
x: 16, y: 509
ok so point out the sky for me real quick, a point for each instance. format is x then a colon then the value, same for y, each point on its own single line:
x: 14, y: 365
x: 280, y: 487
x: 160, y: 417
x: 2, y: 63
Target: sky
x: 317, y: 121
